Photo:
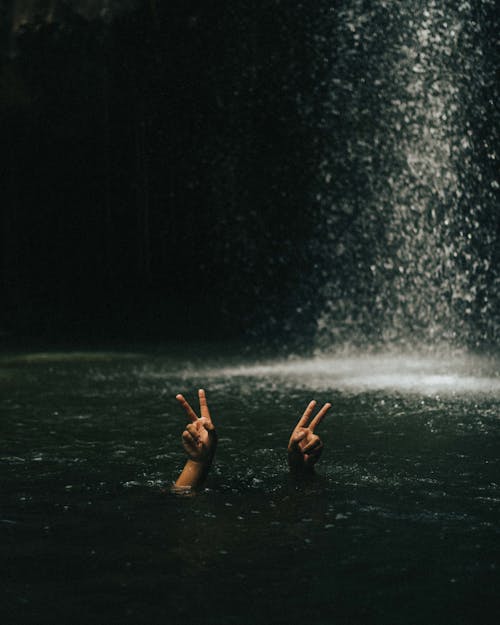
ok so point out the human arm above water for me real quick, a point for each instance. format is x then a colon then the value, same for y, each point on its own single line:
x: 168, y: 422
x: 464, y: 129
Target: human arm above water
x: 304, y: 446
x: 199, y: 440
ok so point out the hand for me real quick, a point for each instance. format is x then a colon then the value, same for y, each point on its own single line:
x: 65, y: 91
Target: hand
x: 304, y: 446
x: 199, y: 440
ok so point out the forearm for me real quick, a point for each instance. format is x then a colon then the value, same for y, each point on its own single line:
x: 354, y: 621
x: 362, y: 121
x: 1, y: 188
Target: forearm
x: 193, y: 474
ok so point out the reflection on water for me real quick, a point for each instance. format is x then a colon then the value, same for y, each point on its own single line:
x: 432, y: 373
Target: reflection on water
x: 404, y: 507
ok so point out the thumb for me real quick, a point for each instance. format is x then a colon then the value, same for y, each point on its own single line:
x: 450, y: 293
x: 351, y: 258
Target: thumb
x: 207, y: 424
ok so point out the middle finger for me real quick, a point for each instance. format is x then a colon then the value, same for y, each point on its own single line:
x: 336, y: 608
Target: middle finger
x: 319, y: 417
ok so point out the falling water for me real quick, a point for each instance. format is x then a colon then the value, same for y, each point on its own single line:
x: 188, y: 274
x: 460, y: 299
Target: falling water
x: 407, y: 184
x: 400, y: 523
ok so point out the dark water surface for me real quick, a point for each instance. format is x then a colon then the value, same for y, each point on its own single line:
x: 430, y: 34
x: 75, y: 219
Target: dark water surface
x: 400, y: 524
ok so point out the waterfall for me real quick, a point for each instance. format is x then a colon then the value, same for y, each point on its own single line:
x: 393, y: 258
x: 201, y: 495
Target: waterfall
x: 407, y: 184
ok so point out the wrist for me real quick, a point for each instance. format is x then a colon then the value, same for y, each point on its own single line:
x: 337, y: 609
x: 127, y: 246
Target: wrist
x: 198, y: 467
x: 204, y: 460
x: 295, y: 459
x: 199, y: 461
x: 297, y: 464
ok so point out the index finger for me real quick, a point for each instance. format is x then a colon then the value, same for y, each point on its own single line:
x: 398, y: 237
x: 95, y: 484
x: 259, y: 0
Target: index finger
x: 203, y: 405
x: 307, y: 413
x: 319, y: 417
x: 190, y: 412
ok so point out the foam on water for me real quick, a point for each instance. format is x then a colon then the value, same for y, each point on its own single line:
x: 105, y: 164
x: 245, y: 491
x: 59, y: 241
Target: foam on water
x: 381, y: 372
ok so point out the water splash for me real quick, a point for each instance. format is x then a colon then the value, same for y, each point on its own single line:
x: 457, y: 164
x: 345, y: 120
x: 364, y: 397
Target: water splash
x: 382, y: 372
x: 407, y: 186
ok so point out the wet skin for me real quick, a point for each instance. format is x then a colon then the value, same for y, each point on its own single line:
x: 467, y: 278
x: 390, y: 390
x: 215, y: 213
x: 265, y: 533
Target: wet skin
x: 199, y: 440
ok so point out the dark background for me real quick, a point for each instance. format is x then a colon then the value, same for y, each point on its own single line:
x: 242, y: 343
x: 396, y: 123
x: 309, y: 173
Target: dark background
x: 161, y: 163
x: 156, y: 170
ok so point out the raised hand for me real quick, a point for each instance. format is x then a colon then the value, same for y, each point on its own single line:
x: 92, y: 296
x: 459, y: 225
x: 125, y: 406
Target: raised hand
x: 304, y: 446
x: 199, y: 440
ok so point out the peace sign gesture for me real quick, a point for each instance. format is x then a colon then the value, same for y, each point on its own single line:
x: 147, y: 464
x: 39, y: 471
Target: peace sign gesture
x: 199, y: 440
x: 304, y: 446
